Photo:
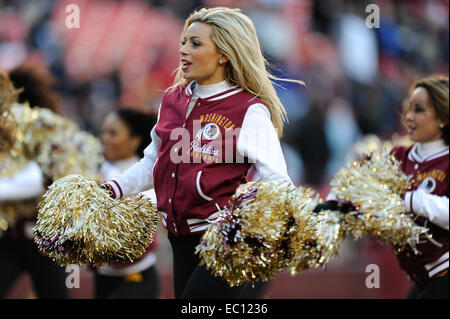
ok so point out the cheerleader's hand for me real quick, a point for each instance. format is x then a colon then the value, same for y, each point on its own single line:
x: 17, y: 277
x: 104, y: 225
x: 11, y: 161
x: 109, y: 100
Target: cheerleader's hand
x: 108, y: 189
x: 406, y: 198
x: 346, y: 207
x: 328, y: 205
x: 333, y: 205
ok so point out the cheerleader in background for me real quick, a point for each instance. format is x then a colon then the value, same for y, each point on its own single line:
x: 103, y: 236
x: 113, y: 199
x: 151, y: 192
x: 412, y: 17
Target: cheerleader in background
x: 125, y: 134
x: 18, y: 252
x: 426, y: 120
x: 427, y: 161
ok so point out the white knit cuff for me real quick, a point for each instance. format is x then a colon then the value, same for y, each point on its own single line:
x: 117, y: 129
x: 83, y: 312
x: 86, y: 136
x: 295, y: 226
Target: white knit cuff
x: 117, y: 190
x: 408, y: 202
x: 331, y: 196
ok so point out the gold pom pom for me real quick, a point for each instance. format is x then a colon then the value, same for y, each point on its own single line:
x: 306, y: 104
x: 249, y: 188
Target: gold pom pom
x: 35, y: 127
x: 55, y: 143
x: 372, y: 144
x: 70, y: 152
x: 8, y: 96
x: 258, y: 235
x: 324, y: 245
x: 374, y: 185
x: 7, y: 132
x: 78, y: 223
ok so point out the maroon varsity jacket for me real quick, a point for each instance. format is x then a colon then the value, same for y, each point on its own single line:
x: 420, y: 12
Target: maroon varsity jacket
x: 431, y: 174
x: 198, y: 169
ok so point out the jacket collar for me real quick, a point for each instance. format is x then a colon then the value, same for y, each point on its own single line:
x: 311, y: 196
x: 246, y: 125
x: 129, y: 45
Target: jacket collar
x: 189, y: 91
x: 413, y: 155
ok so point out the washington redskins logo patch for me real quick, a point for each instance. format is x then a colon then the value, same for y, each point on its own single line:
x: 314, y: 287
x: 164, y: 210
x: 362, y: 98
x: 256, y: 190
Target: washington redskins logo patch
x: 428, y: 185
x: 211, y: 131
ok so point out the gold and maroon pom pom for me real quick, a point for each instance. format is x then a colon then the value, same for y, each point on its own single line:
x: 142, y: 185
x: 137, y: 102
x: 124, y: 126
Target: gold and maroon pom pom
x: 258, y: 235
x: 324, y: 245
x: 79, y: 223
x: 56, y: 143
x: 374, y: 185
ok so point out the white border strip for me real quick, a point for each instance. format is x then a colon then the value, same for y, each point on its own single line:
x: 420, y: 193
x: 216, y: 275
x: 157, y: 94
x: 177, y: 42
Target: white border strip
x: 438, y: 269
x: 198, y: 220
x: 434, y: 263
x: 226, y: 95
x: 200, y: 192
x: 199, y: 228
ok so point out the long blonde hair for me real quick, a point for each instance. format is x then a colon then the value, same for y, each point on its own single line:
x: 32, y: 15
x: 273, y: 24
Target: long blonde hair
x: 235, y: 37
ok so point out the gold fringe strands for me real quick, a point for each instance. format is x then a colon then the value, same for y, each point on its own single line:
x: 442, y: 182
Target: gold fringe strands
x: 371, y: 143
x: 79, y: 223
x: 257, y: 236
x: 305, y: 239
x: 18, y: 156
x: 56, y: 143
x: 374, y: 185
x: 330, y: 235
x: 324, y: 243
x: 7, y: 131
x: 8, y: 96
x: 36, y: 126
x: 70, y: 152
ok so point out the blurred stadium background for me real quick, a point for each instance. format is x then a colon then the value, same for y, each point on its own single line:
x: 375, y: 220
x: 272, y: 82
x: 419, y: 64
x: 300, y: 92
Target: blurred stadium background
x: 357, y: 79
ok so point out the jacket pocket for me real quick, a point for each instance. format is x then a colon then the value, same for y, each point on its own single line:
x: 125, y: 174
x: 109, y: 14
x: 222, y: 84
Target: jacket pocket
x: 198, y: 186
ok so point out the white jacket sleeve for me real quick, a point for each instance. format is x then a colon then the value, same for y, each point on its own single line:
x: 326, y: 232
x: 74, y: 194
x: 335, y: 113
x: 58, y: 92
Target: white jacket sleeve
x: 432, y: 207
x: 139, y: 177
x: 26, y: 184
x: 258, y: 141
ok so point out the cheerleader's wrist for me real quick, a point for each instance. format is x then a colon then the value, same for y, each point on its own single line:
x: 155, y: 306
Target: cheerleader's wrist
x: 335, y: 205
x: 408, y: 201
x: 108, y: 188
x: 116, y: 189
x: 328, y: 205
